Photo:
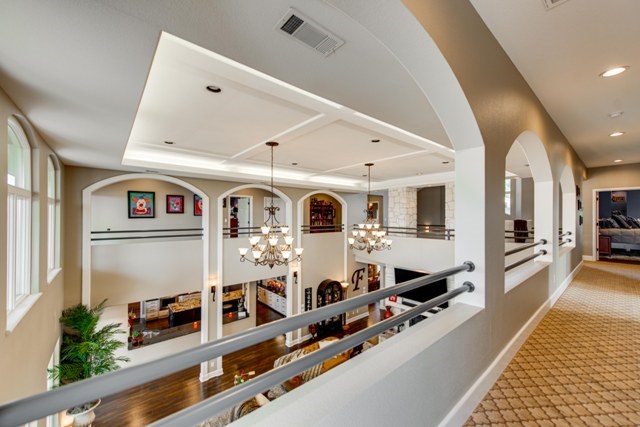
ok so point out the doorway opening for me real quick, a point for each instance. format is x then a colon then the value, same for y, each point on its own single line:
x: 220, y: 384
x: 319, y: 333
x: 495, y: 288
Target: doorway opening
x: 618, y: 225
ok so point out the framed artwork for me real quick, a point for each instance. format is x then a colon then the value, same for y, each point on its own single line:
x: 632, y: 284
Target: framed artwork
x: 175, y: 204
x: 197, y: 205
x: 142, y: 204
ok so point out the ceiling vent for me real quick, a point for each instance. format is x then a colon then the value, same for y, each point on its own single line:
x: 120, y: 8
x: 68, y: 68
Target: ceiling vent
x: 310, y: 33
x: 550, y: 4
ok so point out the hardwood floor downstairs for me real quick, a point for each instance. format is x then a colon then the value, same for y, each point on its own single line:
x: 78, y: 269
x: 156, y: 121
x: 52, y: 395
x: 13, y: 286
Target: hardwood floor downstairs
x: 140, y: 406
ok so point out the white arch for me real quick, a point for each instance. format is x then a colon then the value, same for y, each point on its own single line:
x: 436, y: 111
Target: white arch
x: 300, y: 209
x: 568, y: 220
x: 86, y: 239
x: 435, y: 78
x: 544, y: 189
x: 220, y: 251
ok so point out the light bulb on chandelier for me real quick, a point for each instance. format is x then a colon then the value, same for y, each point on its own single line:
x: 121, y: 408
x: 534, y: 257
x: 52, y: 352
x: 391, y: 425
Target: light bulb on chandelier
x: 266, y: 249
x: 368, y: 236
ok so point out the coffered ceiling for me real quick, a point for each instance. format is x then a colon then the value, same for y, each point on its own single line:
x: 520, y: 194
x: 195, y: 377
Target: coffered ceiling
x: 107, y: 82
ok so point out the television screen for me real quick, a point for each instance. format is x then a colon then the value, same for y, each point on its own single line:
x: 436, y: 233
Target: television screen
x: 423, y: 293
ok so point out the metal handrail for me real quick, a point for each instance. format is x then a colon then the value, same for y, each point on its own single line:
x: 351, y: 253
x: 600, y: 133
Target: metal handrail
x: 524, y: 247
x: 213, y: 405
x: 520, y: 231
x: 524, y: 260
x: 568, y: 233
x: 306, y: 228
x: 564, y: 242
x: 46, y: 403
x: 434, y: 231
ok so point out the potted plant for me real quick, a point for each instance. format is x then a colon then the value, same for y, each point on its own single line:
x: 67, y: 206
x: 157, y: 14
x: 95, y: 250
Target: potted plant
x: 86, y: 351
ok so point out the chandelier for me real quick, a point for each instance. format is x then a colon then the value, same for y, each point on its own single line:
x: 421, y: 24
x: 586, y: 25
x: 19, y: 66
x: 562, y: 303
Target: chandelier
x: 368, y: 236
x: 273, y: 247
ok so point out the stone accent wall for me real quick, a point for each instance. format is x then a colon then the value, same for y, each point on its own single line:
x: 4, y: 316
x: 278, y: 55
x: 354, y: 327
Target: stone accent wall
x: 403, y: 207
x: 449, y: 205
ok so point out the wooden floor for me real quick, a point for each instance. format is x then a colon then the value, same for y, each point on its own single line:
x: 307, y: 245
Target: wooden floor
x: 152, y: 401
x: 265, y: 314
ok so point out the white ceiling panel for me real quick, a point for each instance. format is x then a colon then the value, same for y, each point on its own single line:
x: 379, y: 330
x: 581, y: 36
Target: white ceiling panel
x: 408, y: 166
x: 337, y: 145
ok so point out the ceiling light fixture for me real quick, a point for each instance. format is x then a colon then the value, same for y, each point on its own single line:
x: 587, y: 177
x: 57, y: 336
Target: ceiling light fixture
x: 375, y: 141
x: 617, y: 161
x: 214, y: 89
x: 169, y: 142
x: 614, y: 71
x: 266, y: 249
x: 616, y: 134
x: 368, y: 236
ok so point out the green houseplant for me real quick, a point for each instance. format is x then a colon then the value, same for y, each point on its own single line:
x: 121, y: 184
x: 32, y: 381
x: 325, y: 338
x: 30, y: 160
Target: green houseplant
x: 86, y: 351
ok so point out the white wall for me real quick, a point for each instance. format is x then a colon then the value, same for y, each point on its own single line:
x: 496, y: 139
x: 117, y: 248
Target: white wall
x: 25, y: 351
x: 428, y: 255
x: 136, y: 271
x: 324, y: 256
x: 109, y: 207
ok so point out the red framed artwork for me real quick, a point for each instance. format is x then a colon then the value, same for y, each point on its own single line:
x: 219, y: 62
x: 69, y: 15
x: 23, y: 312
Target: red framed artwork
x: 197, y: 205
x: 175, y: 204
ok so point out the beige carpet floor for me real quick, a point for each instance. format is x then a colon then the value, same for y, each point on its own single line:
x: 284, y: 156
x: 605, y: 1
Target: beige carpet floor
x: 581, y: 365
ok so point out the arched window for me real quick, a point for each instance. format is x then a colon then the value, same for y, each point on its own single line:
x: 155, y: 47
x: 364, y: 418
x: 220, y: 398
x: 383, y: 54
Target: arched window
x: 18, y: 216
x: 53, y: 214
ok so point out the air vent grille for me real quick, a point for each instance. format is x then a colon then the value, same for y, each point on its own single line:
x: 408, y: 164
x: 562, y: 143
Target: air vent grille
x: 310, y: 33
x: 549, y: 4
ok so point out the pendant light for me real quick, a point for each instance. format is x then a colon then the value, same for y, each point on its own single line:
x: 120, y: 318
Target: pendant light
x: 368, y: 236
x: 274, y: 246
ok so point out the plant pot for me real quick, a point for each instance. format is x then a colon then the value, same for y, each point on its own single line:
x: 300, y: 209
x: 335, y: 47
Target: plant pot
x: 83, y: 415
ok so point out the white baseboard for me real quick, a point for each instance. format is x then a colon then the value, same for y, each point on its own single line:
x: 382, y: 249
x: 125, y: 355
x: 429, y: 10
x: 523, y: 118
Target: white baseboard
x: 588, y: 258
x: 210, y: 375
x: 472, y: 398
x: 358, y: 317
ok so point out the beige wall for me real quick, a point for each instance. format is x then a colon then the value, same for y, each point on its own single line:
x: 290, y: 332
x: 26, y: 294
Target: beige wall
x: 25, y: 351
x: 598, y: 179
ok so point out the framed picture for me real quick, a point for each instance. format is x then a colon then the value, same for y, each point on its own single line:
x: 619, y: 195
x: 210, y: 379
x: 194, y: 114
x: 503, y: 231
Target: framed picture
x: 142, y: 204
x: 175, y: 204
x: 197, y: 205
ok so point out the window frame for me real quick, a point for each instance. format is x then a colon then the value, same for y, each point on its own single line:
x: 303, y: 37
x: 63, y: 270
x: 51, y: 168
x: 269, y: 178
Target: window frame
x: 19, y: 223
x: 53, y: 217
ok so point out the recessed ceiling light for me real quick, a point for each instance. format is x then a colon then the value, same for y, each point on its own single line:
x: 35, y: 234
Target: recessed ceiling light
x: 169, y: 142
x: 364, y: 174
x: 617, y: 161
x: 214, y: 89
x: 614, y: 71
x: 419, y: 173
x: 526, y: 165
x: 445, y: 162
x: 616, y: 134
x: 294, y: 163
x: 375, y: 141
x: 616, y: 114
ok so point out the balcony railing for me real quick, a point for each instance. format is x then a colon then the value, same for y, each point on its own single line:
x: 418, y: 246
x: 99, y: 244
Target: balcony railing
x: 526, y: 259
x: 43, y: 404
x: 564, y: 241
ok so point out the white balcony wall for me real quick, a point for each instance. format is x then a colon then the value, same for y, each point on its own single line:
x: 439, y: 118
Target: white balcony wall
x: 323, y: 258
x: 129, y: 272
x: 428, y: 255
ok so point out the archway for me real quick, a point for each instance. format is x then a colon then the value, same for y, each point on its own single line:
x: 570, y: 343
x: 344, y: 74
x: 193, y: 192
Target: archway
x: 230, y: 271
x: 434, y: 77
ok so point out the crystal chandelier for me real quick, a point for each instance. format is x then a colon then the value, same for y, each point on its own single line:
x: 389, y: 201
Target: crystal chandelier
x: 266, y: 249
x: 368, y: 236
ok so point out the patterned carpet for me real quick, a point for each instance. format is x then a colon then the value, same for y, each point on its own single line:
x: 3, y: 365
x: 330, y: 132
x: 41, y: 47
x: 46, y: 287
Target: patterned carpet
x: 581, y: 365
